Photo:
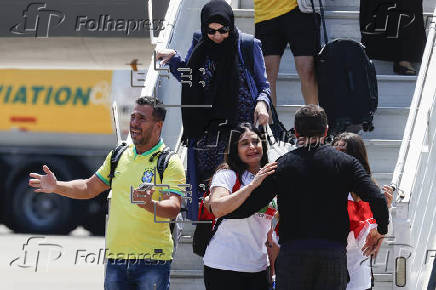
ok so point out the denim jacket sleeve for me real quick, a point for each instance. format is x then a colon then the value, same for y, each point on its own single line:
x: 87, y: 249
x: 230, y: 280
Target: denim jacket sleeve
x: 177, y: 62
x: 262, y: 85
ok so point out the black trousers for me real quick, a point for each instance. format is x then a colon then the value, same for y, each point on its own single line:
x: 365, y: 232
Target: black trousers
x: 311, y: 269
x: 216, y: 279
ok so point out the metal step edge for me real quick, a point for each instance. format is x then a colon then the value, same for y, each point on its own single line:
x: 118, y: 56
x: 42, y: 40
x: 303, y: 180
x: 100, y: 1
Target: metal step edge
x: 186, y: 240
x: 382, y: 175
x: 380, y: 110
x: 188, y: 274
x: 329, y: 14
x: 333, y: 14
x: 397, y: 78
x: 382, y: 142
x: 385, y: 277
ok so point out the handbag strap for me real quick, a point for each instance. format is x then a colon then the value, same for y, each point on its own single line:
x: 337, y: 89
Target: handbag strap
x: 236, y: 187
x: 286, y: 135
x: 321, y: 8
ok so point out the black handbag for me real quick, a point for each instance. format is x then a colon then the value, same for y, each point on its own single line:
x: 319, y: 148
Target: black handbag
x: 279, y: 131
x: 202, y: 235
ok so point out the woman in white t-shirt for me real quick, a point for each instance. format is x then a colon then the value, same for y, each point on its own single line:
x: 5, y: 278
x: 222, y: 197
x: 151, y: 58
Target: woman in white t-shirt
x: 236, y: 257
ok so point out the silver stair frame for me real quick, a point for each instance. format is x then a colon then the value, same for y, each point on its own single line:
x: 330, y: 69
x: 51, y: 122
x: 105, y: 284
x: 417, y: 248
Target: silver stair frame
x: 415, y: 201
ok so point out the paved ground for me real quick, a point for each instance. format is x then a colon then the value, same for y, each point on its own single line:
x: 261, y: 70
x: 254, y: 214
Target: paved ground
x: 50, y: 262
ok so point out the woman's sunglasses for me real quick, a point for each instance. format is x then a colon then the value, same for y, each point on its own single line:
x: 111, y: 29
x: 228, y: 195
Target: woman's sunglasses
x: 222, y: 30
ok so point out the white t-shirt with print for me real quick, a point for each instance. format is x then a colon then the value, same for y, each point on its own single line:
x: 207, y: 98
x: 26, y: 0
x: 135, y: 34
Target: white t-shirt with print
x: 239, y: 244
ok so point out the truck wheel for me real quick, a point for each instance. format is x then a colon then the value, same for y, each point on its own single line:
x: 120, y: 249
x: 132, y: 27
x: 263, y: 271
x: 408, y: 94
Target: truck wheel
x: 97, y: 226
x: 96, y: 221
x: 41, y: 213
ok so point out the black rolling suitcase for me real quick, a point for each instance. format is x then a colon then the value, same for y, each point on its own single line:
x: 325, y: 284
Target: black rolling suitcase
x: 347, y: 85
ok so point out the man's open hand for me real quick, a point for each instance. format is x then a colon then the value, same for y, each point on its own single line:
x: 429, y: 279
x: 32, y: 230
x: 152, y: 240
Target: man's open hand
x: 263, y: 173
x: 43, y: 183
x: 373, y: 243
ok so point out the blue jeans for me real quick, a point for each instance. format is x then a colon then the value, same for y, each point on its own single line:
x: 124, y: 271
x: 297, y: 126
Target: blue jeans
x: 137, y: 275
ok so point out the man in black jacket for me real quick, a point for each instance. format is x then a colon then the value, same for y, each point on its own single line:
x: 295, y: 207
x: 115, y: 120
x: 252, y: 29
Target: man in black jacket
x: 312, y: 184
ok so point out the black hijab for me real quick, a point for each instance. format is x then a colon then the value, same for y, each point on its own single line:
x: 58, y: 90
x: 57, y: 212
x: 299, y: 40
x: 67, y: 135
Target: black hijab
x: 222, y: 91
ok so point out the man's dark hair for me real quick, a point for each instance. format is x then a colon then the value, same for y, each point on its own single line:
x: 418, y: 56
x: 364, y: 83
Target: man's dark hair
x: 159, y: 111
x: 310, y: 121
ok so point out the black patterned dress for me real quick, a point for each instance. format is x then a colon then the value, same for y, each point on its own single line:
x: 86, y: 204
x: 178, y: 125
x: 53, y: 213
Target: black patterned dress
x: 210, y: 149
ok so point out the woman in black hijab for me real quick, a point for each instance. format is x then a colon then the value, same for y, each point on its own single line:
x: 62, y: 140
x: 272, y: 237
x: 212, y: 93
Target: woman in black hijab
x: 393, y: 30
x: 221, y: 80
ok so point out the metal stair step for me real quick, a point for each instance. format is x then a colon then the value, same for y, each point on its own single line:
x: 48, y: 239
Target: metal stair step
x: 389, y: 122
x: 188, y: 229
x: 382, y: 178
x: 184, y: 258
x: 186, y: 280
x: 382, y: 154
x: 186, y: 273
x: 384, y: 279
x: 394, y: 90
x: 429, y: 5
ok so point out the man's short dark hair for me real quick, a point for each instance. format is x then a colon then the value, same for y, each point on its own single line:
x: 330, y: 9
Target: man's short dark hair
x: 310, y: 121
x: 159, y: 111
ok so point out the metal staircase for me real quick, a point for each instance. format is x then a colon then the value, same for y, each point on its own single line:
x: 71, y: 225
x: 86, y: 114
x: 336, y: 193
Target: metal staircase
x: 383, y: 144
x: 395, y: 95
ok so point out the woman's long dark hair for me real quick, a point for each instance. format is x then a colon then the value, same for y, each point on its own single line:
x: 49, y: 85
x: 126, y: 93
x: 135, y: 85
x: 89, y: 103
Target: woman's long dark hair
x: 355, y: 148
x: 232, y: 159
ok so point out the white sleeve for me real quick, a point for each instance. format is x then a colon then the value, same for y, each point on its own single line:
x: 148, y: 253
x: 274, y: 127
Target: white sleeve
x: 224, y: 178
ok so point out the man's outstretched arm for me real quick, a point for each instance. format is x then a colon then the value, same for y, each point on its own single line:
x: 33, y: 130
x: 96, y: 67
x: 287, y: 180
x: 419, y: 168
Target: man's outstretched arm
x: 258, y: 199
x: 77, y: 189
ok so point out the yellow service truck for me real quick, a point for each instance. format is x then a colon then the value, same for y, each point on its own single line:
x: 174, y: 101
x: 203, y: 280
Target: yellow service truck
x: 61, y: 118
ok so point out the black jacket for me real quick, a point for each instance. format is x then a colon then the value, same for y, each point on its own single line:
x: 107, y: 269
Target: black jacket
x: 312, y: 188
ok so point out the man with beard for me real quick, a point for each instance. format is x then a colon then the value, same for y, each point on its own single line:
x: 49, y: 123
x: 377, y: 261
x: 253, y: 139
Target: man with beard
x: 139, y: 250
